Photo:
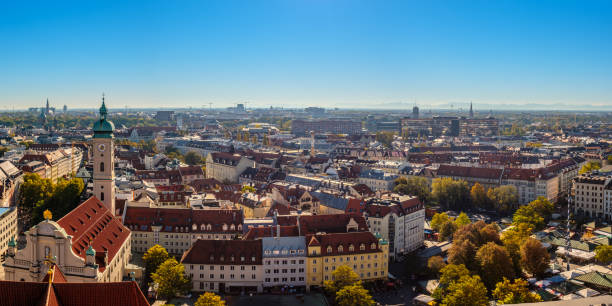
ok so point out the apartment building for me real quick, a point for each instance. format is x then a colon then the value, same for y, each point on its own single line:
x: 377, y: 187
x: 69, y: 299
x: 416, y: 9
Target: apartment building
x: 377, y: 180
x: 302, y: 127
x: 8, y: 227
x: 592, y: 194
x: 284, y: 262
x: 226, y: 167
x: 177, y: 229
x: 398, y: 221
x: 366, y: 254
x: 225, y: 266
x: 52, y: 164
x: 532, y: 183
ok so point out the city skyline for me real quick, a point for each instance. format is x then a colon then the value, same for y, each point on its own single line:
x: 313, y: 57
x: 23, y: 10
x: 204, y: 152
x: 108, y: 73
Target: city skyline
x: 344, y: 54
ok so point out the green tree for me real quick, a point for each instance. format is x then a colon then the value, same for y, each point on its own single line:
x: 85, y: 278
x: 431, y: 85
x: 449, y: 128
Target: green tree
x: 507, y: 292
x: 590, y: 166
x: 170, y: 276
x: 385, y: 138
x: 478, y: 196
x: 248, y: 189
x: 38, y: 195
x: 435, y: 264
x: 512, y: 240
x: 462, y: 220
x: 603, y: 253
x: 503, y: 198
x: 494, y: 264
x: 447, y: 230
x: 341, y: 277
x: 153, y: 258
x: 528, y: 215
x: 534, y: 257
x: 209, y: 299
x: 449, y: 274
x: 438, y: 220
x: 34, y: 190
x: 542, y: 206
x: 451, y: 194
x: 192, y: 158
x: 354, y: 294
x: 414, y: 185
x: 469, y: 290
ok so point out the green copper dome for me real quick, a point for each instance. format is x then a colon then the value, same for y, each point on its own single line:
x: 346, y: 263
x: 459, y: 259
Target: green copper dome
x: 12, y: 242
x: 90, y: 251
x: 103, y: 128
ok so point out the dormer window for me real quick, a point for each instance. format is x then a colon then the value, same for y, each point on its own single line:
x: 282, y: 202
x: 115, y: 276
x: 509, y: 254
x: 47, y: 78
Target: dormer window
x: 329, y: 249
x: 224, y: 227
x: 362, y: 247
x: 373, y: 246
x: 340, y: 249
x: 351, y: 248
x: 194, y: 227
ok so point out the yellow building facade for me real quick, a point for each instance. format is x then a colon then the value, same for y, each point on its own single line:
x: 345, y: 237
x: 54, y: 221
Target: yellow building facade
x: 363, y: 252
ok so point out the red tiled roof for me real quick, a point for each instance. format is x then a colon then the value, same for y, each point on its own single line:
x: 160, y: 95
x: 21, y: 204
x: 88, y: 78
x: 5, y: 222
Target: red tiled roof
x: 220, y: 252
x: 270, y: 231
x: 460, y: 171
x: 191, y: 170
x: 63, y: 293
x: 335, y: 223
x: 201, y: 185
x: 92, y: 223
x: 345, y: 240
x: 182, y: 220
x: 355, y: 206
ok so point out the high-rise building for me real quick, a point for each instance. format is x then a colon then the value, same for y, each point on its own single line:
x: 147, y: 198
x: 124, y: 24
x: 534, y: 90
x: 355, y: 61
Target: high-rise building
x: 415, y: 112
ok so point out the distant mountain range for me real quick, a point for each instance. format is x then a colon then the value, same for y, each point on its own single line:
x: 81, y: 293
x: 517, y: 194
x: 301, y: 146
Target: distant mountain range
x: 482, y: 107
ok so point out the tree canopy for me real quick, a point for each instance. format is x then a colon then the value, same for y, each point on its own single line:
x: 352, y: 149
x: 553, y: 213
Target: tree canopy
x: 534, y: 257
x: 478, y: 196
x: 170, y: 276
x: 341, y: 277
x: 603, y: 253
x: 494, y: 264
x: 192, y: 158
x: 451, y: 194
x: 414, y: 185
x: 590, y: 166
x: 38, y: 194
x: 517, y: 292
x: 503, y: 198
x: 209, y: 299
x: 153, y: 258
x: 354, y: 294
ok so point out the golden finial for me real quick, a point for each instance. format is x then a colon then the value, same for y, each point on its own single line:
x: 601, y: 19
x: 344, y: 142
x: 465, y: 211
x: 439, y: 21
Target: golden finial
x: 47, y: 215
x: 50, y: 273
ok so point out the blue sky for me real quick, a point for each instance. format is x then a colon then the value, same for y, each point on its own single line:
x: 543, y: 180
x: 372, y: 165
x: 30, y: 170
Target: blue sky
x: 305, y: 52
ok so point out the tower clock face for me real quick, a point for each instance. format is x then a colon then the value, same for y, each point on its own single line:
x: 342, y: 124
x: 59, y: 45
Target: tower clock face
x: 101, y: 147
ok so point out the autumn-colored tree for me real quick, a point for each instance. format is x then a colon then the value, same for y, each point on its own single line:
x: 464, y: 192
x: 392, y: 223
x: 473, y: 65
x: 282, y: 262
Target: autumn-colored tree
x: 451, y: 194
x: 248, y: 189
x: 512, y: 240
x: 534, y: 257
x: 469, y: 290
x: 478, y: 196
x: 354, y: 294
x: 192, y: 158
x: 438, y: 219
x: 542, y: 206
x: 414, y: 185
x: 603, y: 253
x: 435, y: 264
x: 153, y: 258
x: 341, y: 277
x: 463, y: 252
x: 494, y: 264
x: 507, y: 292
x: 462, y: 220
x: 209, y: 299
x: 448, y: 275
x: 503, y: 198
x: 170, y: 276
x: 447, y: 230
x: 590, y: 166
x: 528, y: 215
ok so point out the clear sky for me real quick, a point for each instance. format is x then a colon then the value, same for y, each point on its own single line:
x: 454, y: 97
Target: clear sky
x: 304, y: 52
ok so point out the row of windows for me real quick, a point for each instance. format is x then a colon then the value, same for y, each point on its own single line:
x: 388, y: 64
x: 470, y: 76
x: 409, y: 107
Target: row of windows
x: 283, y: 279
x: 222, y: 276
x: 222, y: 268
x: 284, y: 262
x: 351, y: 248
x: 276, y: 271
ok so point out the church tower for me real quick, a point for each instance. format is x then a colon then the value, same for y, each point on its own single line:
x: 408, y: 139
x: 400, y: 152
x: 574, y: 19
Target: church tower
x: 103, y: 160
